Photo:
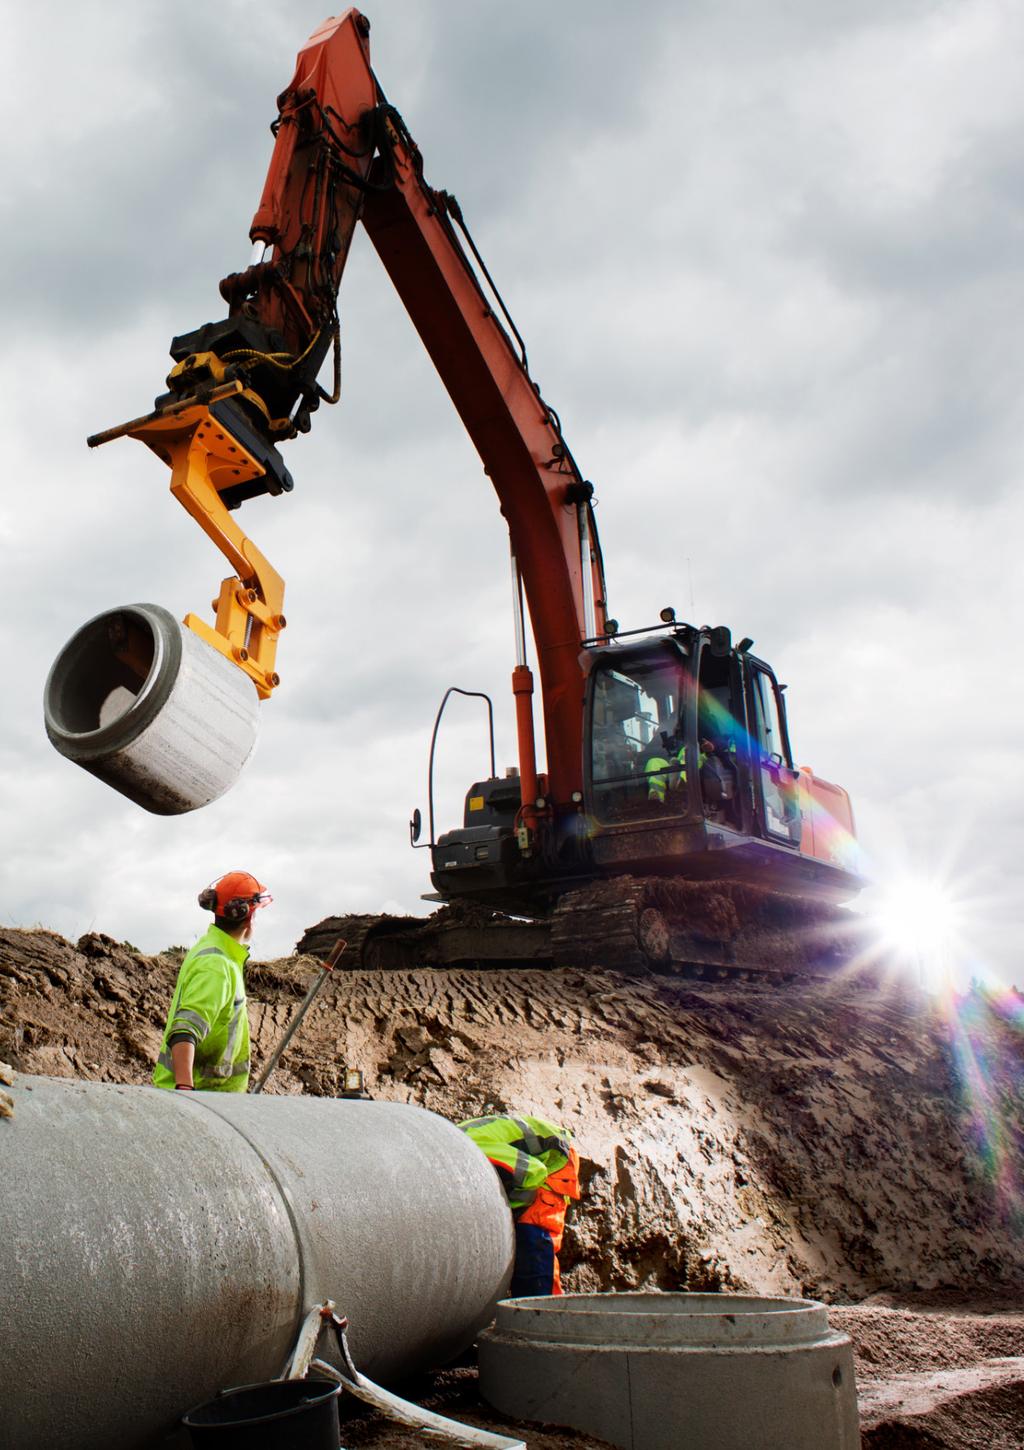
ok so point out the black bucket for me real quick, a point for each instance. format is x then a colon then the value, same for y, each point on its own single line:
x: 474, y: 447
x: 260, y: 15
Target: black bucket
x: 280, y: 1415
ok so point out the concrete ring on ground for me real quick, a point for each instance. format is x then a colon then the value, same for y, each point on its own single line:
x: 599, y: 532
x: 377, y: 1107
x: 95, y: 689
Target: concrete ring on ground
x: 666, y: 1371
x: 144, y: 704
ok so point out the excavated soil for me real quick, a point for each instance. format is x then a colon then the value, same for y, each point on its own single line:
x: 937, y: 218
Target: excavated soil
x: 831, y: 1140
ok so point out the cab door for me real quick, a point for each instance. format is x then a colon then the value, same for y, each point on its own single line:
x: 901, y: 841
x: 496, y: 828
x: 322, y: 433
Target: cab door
x: 778, y: 783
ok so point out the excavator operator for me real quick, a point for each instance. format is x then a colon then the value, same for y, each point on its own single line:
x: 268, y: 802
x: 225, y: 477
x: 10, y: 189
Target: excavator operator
x: 539, y: 1171
x: 665, y: 769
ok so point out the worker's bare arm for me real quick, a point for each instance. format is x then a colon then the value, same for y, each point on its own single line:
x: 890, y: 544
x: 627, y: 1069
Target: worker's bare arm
x: 183, y: 1056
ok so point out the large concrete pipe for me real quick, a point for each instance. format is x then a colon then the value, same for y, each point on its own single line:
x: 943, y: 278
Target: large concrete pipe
x: 156, y: 1247
x: 151, y: 709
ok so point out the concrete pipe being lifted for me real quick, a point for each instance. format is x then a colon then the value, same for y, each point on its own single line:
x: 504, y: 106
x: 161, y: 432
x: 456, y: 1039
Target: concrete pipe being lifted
x: 157, y: 1247
x: 144, y: 704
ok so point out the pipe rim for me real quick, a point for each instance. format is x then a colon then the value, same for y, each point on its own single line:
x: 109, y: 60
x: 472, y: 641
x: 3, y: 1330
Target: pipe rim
x: 664, y: 1320
x: 122, y: 731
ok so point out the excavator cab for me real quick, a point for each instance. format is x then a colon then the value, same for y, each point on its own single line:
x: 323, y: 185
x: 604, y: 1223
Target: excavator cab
x: 688, y: 766
x: 687, y: 773
x: 668, y: 732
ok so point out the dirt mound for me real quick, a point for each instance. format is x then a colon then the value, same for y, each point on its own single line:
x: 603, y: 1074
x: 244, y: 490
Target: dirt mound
x: 945, y: 1376
x: 807, y: 1140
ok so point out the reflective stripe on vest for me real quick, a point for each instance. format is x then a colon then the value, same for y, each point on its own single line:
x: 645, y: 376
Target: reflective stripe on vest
x: 661, y: 775
x: 184, y: 1020
x: 230, y: 1069
x: 226, y: 1067
x: 530, y: 1141
x: 520, y: 1168
x: 537, y: 1146
x: 184, y: 1013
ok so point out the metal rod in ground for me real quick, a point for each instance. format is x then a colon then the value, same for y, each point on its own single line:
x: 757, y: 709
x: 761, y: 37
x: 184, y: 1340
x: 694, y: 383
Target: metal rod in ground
x: 293, y: 1026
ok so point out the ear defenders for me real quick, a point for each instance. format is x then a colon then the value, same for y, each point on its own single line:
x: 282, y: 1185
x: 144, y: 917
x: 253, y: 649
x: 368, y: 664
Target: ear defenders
x: 229, y: 899
x: 208, y: 898
x: 236, y: 908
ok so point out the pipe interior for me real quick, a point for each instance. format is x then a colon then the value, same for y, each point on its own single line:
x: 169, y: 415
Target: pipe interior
x: 104, y: 668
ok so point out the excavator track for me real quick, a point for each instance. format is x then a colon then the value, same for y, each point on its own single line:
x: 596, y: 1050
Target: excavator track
x: 713, y: 930
x: 364, y: 933
x: 460, y: 934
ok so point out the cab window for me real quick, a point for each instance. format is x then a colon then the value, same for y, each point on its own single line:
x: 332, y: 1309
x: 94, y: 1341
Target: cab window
x: 778, y: 783
x: 769, y: 725
x: 637, y: 743
x: 719, y: 736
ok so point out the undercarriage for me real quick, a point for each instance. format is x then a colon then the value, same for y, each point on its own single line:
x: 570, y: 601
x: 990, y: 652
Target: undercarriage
x: 718, y: 930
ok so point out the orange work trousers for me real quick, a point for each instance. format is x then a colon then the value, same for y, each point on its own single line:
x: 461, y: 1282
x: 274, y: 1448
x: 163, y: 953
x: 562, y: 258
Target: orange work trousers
x: 546, y: 1216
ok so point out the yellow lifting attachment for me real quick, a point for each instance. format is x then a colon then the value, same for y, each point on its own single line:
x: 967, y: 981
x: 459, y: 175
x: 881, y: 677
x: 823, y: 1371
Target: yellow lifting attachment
x: 205, y: 458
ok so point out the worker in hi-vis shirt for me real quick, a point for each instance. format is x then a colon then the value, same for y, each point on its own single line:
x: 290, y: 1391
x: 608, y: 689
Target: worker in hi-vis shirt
x: 206, y: 1040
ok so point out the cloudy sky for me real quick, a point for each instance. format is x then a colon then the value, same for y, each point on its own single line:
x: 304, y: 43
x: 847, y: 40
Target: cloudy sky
x: 767, y: 258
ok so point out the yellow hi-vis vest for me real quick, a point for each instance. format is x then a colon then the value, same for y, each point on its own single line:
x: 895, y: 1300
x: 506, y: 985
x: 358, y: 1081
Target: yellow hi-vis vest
x: 209, y: 1006
x: 662, y: 776
x: 525, y: 1151
x: 660, y: 779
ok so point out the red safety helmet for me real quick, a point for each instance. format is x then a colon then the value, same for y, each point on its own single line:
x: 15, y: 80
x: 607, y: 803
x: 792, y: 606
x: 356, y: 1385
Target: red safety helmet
x: 235, y: 896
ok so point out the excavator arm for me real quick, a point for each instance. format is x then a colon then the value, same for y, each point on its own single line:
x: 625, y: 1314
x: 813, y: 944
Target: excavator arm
x: 242, y: 386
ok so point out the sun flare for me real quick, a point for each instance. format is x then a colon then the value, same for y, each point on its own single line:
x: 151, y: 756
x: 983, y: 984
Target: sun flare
x: 920, y: 922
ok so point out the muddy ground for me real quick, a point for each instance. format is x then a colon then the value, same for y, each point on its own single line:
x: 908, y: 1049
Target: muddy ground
x: 833, y: 1140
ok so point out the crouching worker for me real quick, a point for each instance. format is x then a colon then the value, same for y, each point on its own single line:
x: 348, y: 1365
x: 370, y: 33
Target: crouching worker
x: 539, y: 1171
x: 206, y: 1040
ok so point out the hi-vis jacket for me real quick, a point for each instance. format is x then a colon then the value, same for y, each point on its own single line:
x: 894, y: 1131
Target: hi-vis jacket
x: 209, y: 1006
x: 526, y: 1152
x: 663, y: 776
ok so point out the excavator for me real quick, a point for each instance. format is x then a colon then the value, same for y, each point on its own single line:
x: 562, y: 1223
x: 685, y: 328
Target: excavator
x: 669, y: 827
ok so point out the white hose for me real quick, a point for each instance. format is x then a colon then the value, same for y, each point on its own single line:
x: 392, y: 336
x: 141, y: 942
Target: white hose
x: 425, y: 1422
x: 309, y: 1338
x: 403, y: 1412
